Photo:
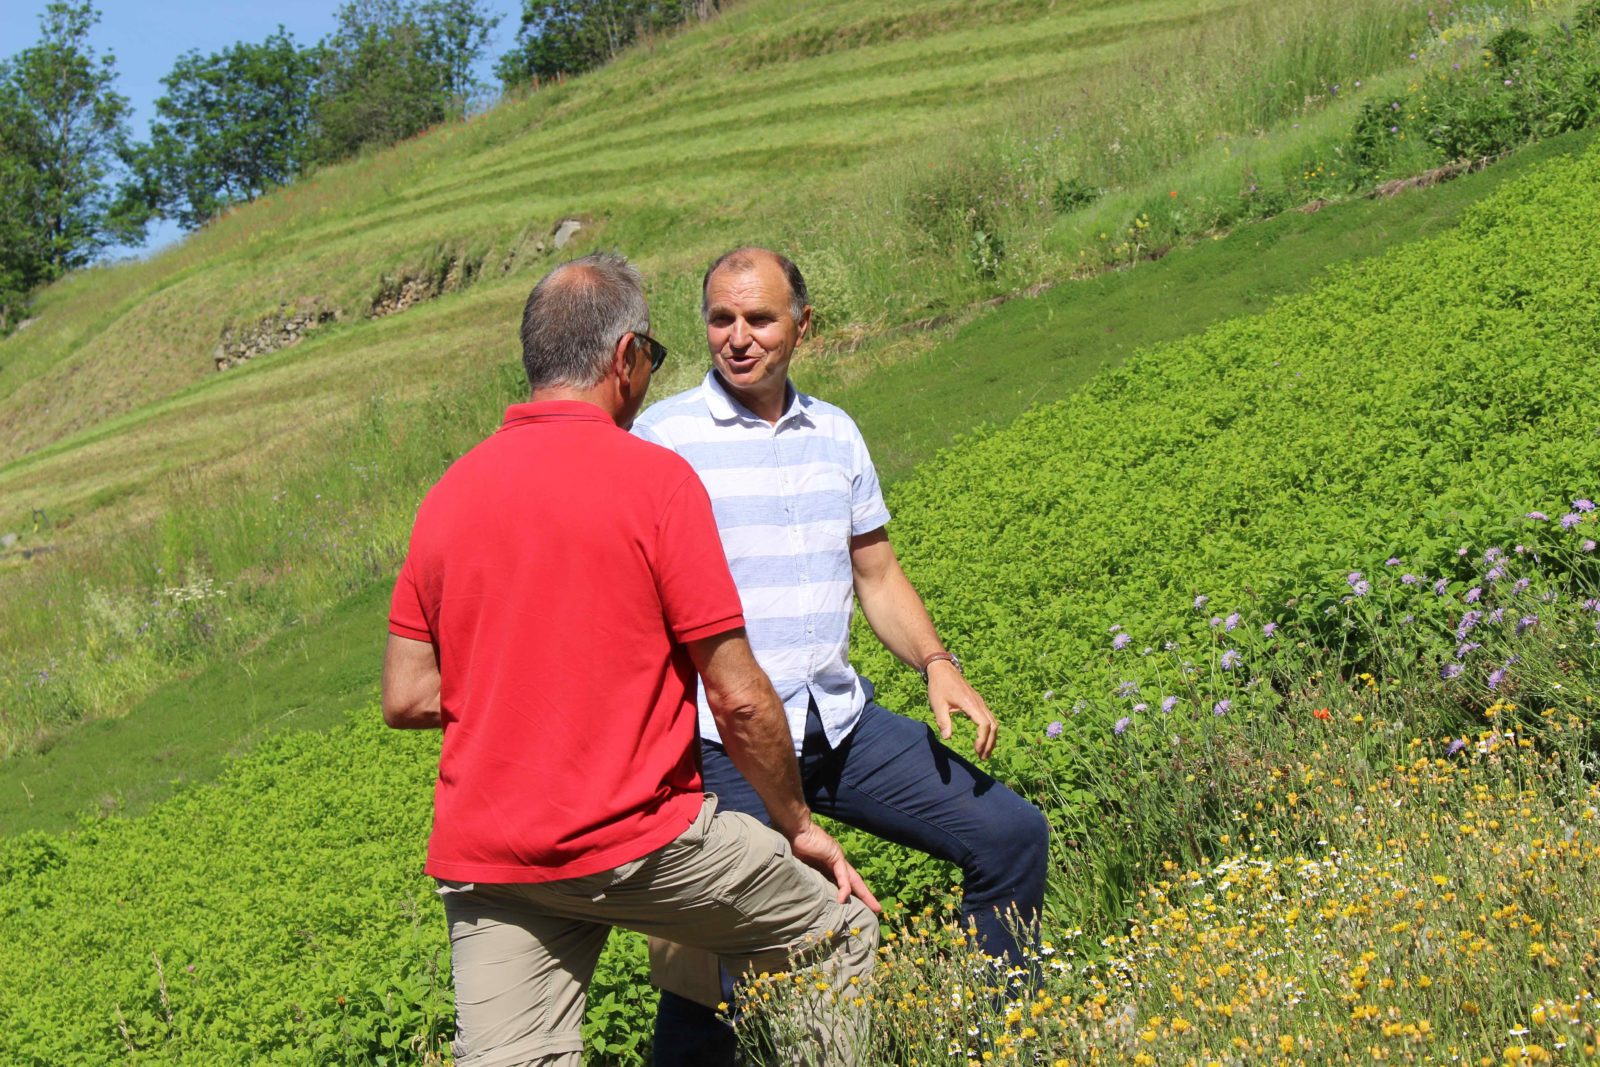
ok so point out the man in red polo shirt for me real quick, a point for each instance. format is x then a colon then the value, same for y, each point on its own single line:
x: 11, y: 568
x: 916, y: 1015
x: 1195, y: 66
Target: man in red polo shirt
x: 564, y: 585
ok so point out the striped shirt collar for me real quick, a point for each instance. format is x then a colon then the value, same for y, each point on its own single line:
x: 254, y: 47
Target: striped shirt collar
x: 725, y: 407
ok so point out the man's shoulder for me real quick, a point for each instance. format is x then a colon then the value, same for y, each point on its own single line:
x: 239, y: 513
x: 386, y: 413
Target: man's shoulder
x: 662, y: 417
x: 829, y: 416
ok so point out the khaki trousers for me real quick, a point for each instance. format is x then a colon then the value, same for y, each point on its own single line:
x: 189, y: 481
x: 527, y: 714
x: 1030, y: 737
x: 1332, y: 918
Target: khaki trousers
x: 522, y: 955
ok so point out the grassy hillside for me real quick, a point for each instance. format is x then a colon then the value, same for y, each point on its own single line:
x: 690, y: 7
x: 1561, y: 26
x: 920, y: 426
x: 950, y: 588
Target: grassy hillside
x: 1028, y: 351
x: 779, y: 123
x: 919, y: 159
x: 1364, y: 810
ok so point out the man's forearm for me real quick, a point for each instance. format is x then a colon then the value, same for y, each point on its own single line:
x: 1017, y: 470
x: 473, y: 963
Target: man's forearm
x: 753, y: 726
x: 756, y: 736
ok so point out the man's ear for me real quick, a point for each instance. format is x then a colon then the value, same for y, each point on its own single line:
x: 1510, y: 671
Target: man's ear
x: 805, y: 323
x: 622, y: 357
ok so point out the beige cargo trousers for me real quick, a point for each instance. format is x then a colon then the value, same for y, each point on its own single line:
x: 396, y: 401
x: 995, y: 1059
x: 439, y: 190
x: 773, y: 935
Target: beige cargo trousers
x: 523, y: 954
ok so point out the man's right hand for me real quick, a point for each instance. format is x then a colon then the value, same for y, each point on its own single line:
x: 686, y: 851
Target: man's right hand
x: 817, y: 848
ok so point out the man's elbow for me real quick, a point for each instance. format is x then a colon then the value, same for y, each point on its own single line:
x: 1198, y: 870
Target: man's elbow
x: 409, y: 714
x: 736, y: 708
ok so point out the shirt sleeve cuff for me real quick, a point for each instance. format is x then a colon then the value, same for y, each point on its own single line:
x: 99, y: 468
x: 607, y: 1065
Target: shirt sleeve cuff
x: 710, y: 629
x: 873, y: 521
x: 400, y: 629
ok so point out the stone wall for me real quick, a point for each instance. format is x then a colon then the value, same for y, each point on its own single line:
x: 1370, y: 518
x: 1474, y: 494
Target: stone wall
x: 284, y: 329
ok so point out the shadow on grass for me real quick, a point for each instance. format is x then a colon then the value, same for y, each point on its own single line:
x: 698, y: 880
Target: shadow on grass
x: 309, y: 677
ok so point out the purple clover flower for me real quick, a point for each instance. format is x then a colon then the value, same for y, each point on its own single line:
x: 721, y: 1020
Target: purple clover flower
x: 1361, y: 588
x: 1494, y: 574
x: 1121, y: 641
x: 1455, y: 746
x: 1231, y: 623
x: 1526, y: 623
x: 1496, y: 615
x: 1053, y: 731
x: 1441, y: 587
x: 1216, y: 621
x: 1127, y: 689
x: 1462, y: 551
x: 1200, y: 602
x: 1473, y: 594
x: 1588, y: 545
x: 1408, y: 579
x: 1449, y: 671
x: 1352, y: 578
x: 1114, y: 628
x: 1121, y: 725
x: 1521, y: 585
x: 1269, y: 629
x: 1468, y: 621
x: 1570, y: 519
x: 1392, y: 561
x: 1492, y: 555
x: 1408, y: 620
x: 1168, y: 704
x: 1592, y: 604
x: 1141, y: 706
x: 1537, y: 516
x: 1222, y: 707
x: 1583, y: 504
x: 1466, y: 648
x: 1496, y: 676
x: 1230, y: 659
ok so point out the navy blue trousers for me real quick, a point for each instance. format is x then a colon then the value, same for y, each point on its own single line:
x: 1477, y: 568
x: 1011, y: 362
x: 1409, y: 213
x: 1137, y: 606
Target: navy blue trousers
x: 894, y: 779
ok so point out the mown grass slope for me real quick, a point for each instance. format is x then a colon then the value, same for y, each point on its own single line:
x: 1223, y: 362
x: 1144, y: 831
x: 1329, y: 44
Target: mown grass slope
x: 766, y: 124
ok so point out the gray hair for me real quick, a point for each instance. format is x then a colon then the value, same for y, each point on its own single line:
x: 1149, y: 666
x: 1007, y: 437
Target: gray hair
x: 574, y: 317
x: 746, y: 258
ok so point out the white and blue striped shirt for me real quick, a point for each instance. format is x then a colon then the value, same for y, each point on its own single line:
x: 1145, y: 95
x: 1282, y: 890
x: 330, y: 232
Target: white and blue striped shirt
x: 788, y: 498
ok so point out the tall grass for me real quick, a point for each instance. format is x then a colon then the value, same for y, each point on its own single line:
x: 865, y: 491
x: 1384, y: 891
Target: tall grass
x: 1240, y: 115
x: 228, y: 564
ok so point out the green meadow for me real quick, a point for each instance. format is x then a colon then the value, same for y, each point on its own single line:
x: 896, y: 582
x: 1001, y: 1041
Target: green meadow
x: 1244, y: 447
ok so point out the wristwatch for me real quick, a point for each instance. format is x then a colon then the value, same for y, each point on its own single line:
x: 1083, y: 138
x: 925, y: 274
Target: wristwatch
x: 951, y: 656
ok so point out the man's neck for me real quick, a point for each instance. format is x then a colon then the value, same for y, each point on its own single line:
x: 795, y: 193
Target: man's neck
x: 598, y: 395
x: 766, y: 406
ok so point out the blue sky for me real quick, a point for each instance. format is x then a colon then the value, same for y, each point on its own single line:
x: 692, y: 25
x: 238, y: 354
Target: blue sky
x: 147, y: 37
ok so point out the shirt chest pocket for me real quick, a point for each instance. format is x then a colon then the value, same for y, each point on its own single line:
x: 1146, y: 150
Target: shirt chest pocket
x: 825, y: 506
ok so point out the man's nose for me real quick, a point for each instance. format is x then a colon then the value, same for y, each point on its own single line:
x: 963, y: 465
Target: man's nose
x: 740, y: 337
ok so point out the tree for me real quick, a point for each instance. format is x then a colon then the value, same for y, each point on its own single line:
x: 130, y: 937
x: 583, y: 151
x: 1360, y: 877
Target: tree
x: 62, y: 129
x: 572, y: 36
x: 392, y: 69
x: 457, y: 33
x: 231, y: 126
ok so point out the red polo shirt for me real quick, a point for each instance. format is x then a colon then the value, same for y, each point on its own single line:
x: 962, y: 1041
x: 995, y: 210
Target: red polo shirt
x: 557, y: 568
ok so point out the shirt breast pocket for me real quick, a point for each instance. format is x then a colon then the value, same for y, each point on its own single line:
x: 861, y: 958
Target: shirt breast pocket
x: 827, y: 497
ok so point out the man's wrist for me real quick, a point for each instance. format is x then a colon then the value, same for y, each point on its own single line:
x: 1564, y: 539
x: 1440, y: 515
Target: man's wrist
x: 942, y: 656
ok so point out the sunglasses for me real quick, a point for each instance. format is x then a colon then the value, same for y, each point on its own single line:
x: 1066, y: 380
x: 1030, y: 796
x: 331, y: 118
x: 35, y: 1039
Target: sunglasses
x: 658, y: 351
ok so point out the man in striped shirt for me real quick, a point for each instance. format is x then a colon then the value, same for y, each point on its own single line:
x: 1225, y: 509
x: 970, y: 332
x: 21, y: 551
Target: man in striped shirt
x: 802, y: 520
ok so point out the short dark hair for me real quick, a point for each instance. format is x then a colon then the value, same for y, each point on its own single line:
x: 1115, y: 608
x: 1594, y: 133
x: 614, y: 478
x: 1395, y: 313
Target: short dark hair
x: 574, y: 317
x: 745, y: 258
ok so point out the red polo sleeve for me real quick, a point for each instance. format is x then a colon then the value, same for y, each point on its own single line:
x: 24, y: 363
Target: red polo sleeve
x: 405, y: 608
x: 697, y: 592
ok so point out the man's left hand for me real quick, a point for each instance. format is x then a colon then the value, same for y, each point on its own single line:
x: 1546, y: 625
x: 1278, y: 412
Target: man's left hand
x: 948, y: 693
